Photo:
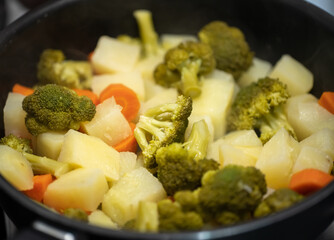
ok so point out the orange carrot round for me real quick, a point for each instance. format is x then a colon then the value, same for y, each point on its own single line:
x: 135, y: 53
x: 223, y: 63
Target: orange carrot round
x: 88, y: 93
x: 41, y: 182
x: 128, y: 144
x: 309, y: 180
x: 327, y: 101
x: 125, y: 97
x: 18, y: 88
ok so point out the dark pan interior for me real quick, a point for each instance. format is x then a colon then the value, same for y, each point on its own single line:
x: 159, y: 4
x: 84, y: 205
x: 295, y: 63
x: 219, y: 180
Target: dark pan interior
x: 272, y: 28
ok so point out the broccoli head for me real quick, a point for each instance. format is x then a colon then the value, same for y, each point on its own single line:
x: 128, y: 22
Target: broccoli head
x: 229, y: 46
x: 182, y: 165
x: 231, y: 194
x: 183, y: 65
x: 54, y: 107
x: 52, y: 68
x: 172, y: 218
x: 19, y: 144
x: 160, y: 126
x: 280, y: 199
x: 40, y: 165
x: 259, y: 106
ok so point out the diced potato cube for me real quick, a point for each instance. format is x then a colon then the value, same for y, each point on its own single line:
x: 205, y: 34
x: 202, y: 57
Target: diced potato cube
x: 215, y: 100
x: 147, y: 217
x: 229, y: 154
x: 14, y: 116
x: 15, y: 168
x: 90, y: 152
x: 132, y: 80
x: 169, y: 40
x: 49, y: 144
x: 306, y: 116
x: 112, y: 55
x: 310, y: 157
x: 291, y: 72
x: 99, y: 218
x: 108, y: 124
x: 122, y: 200
x: 277, y: 159
x: 322, y: 140
x: 259, y: 69
x: 82, y: 188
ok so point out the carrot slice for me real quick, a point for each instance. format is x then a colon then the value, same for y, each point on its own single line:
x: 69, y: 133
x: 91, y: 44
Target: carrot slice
x: 309, y: 181
x: 327, y: 101
x: 88, y: 93
x: 18, y: 88
x: 90, y: 56
x: 129, y: 144
x: 41, y: 182
x: 125, y: 97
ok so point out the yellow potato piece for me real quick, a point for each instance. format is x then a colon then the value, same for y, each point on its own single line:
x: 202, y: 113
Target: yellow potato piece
x: 82, y: 188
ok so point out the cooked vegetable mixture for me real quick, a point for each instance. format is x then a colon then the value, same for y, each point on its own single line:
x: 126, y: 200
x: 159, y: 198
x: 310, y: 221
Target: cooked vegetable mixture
x: 168, y: 133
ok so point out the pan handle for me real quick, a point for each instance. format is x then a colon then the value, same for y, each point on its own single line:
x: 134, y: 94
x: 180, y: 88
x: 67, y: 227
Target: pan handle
x: 42, y: 231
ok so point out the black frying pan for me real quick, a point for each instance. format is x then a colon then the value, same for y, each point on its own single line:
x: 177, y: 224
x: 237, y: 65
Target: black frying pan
x: 272, y: 28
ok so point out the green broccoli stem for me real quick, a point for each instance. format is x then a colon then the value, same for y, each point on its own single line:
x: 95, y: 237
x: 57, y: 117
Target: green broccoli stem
x: 163, y: 112
x: 198, y: 140
x: 44, y: 165
x: 272, y: 122
x: 189, y: 79
x: 154, y: 127
x: 147, y: 33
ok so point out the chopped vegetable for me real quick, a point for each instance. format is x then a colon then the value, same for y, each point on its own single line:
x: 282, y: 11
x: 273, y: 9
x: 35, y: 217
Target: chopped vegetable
x: 260, y: 106
x: 18, y: 88
x: 229, y: 46
x: 309, y: 181
x: 54, y: 107
x: 41, y: 182
x: 124, y: 97
x: 327, y: 101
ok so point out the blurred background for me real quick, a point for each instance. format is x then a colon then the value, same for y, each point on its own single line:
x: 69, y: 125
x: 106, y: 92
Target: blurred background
x: 10, y: 10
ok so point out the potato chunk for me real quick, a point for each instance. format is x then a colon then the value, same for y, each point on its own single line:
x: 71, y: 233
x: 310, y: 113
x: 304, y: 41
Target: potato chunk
x: 277, y: 159
x: 218, y: 90
x: 90, y: 152
x: 15, y: 168
x: 108, y: 124
x: 82, y: 188
x: 49, y: 144
x: 122, y: 200
x: 291, y: 72
x: 14, y: 115
x: 112, y: 55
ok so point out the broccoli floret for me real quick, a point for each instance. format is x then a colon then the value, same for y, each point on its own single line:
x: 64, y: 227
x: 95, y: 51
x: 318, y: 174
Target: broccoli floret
x: 54, y: 107
x: 76, y: 213
x: 182, y: 165
x: 161, y: 126
x: 149, y: 37
x: 280, y: 199
x: 53, y: 68
x: 259, y: 106
x: 183, y: 65
x: 40, y: 165
x: 231, y: 194
x: 229, y: 46
x: 19, y: 144
x: 172, y: 218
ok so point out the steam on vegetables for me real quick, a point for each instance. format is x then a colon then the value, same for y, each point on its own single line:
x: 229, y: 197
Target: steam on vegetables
x: 165, y: 133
